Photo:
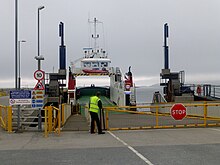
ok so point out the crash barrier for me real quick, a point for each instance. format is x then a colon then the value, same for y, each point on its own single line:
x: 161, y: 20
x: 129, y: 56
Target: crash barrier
x: 158, y: 116
x: 52, y: 120
x: 6, y: 117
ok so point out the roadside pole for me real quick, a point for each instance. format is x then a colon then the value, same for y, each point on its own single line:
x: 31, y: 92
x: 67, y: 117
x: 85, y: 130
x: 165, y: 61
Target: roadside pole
x: 38, y: 95
x: 39, y: 58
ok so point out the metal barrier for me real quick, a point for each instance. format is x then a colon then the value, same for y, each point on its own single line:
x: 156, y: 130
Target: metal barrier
x: 52, y: 120
x: 28, y: 118
x: 158, y: 116
x: 206, y: 90
x: 6, y: 117
x: 66, y: 112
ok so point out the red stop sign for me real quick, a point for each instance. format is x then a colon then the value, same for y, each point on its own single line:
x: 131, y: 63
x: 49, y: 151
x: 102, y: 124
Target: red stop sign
x: 178, y: 111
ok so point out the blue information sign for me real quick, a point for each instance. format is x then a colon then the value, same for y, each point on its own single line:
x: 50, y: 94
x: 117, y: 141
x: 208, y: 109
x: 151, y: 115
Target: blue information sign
x: 37, y: 101
x: 36, y: 105
x: 20, y: 94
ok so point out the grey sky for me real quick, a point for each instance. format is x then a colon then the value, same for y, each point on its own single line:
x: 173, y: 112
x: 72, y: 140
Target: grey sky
x: 133, y: 36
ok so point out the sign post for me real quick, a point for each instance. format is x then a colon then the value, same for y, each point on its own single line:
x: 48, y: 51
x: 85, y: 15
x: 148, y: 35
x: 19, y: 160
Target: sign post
x: 38, y: 95
x: 178, y: 111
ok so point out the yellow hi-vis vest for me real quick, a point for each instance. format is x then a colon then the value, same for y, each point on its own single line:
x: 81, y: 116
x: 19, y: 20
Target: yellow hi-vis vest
x: 94, y: 104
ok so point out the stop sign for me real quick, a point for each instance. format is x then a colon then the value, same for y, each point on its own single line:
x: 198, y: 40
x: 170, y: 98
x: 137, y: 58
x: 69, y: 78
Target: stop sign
x: 178, y: 111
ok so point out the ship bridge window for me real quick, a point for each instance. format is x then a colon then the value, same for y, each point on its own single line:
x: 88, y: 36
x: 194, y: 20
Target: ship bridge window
x: 87, y: 64
x: 95, y: 64
x: 104, y: 64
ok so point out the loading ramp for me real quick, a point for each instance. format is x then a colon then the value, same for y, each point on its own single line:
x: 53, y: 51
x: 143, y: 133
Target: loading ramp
x: 79, y: 121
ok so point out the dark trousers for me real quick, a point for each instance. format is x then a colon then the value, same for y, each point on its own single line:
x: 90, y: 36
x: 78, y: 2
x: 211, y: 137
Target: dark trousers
x: 95, y: 118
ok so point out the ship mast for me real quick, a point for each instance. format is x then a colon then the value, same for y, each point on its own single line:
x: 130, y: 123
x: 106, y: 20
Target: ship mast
x: 95, y: 36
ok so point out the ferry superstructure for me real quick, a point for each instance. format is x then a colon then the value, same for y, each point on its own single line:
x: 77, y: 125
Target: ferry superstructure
x: 95, y: 62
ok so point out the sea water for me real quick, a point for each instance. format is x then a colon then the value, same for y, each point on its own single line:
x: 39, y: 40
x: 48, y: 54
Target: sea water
x: 145, y: 94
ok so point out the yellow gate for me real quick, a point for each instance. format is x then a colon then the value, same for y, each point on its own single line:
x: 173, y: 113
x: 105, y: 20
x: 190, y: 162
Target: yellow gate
x: 159, y: 116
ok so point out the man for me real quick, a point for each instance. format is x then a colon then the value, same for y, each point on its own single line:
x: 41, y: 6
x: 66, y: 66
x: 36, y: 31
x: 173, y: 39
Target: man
x: 95, y: 104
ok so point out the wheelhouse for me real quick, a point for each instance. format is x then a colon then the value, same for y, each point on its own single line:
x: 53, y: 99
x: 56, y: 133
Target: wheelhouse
x: 95, y: 64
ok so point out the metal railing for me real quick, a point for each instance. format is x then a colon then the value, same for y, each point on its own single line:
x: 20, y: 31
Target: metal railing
x: 206, y: 90
x: 6, y: 117
x: 52, y: 120
x: 158, y: 116
x: 28, y: 118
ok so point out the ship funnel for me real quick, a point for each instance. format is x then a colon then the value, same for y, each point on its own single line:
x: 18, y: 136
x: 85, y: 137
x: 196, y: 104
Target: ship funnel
x: 166, y: 47
x: 62, y: 51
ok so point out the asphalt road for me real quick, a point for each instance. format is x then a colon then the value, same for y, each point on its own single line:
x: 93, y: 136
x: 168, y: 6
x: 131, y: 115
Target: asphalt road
x: 189, y: 146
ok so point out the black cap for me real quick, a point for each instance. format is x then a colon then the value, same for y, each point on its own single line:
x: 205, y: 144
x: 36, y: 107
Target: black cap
x: 98, y: 94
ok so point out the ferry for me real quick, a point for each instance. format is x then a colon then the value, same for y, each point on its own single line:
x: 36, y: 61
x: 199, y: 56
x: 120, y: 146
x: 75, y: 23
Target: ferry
x: 95, y: 62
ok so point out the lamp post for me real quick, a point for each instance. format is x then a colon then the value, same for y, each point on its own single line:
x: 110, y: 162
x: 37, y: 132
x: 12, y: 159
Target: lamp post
x: 19, y: 80
x: 39, y: 58
x: 19, y: 63
x: 16, y: 44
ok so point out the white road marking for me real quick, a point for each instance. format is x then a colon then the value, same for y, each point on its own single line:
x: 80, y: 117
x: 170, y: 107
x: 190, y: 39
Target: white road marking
x: 215, y: 129
x: 132, y: 149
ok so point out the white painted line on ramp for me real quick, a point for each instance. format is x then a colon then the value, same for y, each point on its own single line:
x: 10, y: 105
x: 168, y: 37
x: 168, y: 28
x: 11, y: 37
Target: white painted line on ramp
x: 214, y: 129
x: 132, y: 149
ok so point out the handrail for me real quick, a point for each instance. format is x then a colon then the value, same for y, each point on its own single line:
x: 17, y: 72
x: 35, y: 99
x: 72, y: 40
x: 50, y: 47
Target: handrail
x: 206, y: 90
x: 52, y: 120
